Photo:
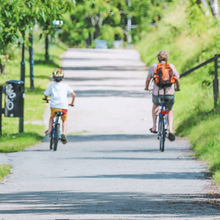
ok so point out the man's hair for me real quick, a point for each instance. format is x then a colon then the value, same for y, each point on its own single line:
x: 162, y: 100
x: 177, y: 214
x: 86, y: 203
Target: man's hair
x: 163, y: 56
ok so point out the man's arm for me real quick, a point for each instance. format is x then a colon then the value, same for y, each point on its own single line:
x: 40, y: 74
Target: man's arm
x: 177, y: 85
x: 73, y: 98
x: 150, y: 76
x: 147, y: 84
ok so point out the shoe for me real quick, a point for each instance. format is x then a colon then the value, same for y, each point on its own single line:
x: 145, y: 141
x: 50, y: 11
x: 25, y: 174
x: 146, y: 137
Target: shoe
x: 63, y: 139
x: 151, y: 130
x: 171, y: 137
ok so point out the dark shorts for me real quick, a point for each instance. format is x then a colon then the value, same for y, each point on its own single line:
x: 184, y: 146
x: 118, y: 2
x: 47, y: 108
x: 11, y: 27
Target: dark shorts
x: 168, y: 104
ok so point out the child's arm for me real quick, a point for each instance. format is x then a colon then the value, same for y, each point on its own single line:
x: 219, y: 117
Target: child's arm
x: 45, y: 97
x: 73, y: 98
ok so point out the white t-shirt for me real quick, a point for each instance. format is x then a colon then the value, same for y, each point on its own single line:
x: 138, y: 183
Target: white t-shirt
x: 58, y: 92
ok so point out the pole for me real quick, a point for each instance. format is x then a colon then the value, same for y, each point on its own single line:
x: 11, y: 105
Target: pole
x: 1, y: 89
x: 215, y: 83
x: 21, y: 119
x: 31, y: 60
x: 22, y: 64
x: 46, y: 47
x: 129, y: 25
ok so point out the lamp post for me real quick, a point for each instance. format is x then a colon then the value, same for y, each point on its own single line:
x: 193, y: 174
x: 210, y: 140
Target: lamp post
x: 22, y: 78
x: 22, y: 64
x: 31, y: 60
x: 56, y: 23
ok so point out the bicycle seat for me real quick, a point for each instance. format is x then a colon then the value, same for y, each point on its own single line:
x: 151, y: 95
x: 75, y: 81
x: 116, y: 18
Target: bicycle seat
x: 59, y: 113
x: 164, y: 100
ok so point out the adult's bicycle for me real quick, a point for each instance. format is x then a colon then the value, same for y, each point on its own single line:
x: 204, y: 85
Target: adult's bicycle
x: 162, y: 123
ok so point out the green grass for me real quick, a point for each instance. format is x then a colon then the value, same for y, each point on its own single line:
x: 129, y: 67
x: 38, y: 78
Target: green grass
x: 193, y: 109
x: 34, y: 106
x: 4, y: 171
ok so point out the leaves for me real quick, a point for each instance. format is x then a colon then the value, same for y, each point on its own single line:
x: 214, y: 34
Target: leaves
x: 18, y: 16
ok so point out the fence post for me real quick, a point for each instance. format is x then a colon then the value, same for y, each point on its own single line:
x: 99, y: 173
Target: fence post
x: 1, y: 90
x: 215, y: 82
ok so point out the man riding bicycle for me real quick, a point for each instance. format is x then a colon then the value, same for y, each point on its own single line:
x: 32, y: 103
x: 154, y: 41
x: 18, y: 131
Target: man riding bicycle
x: 158, y: 93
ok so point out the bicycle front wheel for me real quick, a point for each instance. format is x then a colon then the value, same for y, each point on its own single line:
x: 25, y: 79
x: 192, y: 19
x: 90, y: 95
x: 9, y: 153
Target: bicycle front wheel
x: 56, y: 136
x: 162, y: 134
x: 51, y: 143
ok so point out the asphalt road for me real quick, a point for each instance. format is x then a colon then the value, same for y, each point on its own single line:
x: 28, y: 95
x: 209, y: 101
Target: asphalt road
x: 111, y: 167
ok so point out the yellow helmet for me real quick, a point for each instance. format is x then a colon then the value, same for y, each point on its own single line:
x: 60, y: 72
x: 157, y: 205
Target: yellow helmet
x: 58, y: 74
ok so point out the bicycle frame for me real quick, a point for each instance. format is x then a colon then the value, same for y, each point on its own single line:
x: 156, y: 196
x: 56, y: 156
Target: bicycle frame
x: 53, y: 127
x: 162, y: 122
x: 163, y: 114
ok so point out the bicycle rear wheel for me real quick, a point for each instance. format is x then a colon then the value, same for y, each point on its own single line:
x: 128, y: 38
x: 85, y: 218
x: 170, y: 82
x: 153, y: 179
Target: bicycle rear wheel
x: 162, y: 134
x: 56, y: 136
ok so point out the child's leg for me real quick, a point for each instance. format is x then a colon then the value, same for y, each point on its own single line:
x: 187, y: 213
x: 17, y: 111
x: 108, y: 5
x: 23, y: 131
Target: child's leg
x: 64, y: 127
x: 50, y: 125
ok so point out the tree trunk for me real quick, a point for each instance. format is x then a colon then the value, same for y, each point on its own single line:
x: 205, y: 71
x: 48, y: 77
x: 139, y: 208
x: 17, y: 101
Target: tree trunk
x: 214, y: 7
x: 205, y: 6
x: 2, y: 69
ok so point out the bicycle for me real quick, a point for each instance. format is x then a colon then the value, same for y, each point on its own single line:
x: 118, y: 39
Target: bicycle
x: 55, y: 134
x: 162, y: 122
x: 163, y: 126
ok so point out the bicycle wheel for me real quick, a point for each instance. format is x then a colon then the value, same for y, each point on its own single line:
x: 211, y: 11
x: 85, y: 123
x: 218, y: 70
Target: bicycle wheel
x: 162, y: 134
x: 51, y: 143
x: 56, y: 136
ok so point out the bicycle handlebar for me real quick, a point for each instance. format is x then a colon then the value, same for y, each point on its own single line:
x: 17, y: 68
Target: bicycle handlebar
x: 48, y: 100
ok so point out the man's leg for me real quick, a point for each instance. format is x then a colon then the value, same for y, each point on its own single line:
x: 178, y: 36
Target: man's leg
x: 154, y: 115
x: 170, y: 121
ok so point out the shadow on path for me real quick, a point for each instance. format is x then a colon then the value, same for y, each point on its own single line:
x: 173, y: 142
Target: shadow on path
x: 109, y: 137
x: 107, y: 68
x: 68, y: 202
x: 110, y: 93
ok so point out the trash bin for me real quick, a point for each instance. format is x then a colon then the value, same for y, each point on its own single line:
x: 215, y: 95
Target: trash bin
x: 14, y: 98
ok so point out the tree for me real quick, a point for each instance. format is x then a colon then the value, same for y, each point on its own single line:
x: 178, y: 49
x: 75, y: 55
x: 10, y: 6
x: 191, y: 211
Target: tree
x: 17, y: 17
x: 90, y: 20
x: 214, y: 7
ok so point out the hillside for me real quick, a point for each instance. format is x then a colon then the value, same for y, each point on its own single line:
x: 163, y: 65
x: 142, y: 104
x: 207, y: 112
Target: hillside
x: 190, y: 38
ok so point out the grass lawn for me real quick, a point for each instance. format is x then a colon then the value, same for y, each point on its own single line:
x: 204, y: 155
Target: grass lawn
x: 34, y: 106
x: 194, y: 117
x: 4, y: 171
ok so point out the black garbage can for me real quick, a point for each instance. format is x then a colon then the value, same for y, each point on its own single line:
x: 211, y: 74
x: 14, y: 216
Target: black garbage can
x: 14, y: 98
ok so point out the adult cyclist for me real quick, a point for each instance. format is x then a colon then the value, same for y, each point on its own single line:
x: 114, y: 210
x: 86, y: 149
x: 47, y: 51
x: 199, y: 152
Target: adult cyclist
x: 157, y: 93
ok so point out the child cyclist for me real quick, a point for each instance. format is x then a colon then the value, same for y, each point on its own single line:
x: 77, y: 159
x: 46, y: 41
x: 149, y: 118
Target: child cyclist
x: 59, y: 103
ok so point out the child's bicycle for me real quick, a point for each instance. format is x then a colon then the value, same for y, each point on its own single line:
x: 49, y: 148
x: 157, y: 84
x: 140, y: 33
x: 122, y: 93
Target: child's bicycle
x: 55, y: 134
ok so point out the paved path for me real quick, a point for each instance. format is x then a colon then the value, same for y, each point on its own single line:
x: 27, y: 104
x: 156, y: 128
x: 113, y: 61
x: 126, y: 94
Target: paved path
x: 111, y: 167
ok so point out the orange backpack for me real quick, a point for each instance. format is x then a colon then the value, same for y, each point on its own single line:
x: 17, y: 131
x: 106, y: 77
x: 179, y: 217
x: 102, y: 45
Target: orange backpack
x: 163, y: 75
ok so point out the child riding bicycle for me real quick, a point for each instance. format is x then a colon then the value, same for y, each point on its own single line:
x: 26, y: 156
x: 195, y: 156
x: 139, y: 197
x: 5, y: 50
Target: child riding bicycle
x: 59, y: 103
